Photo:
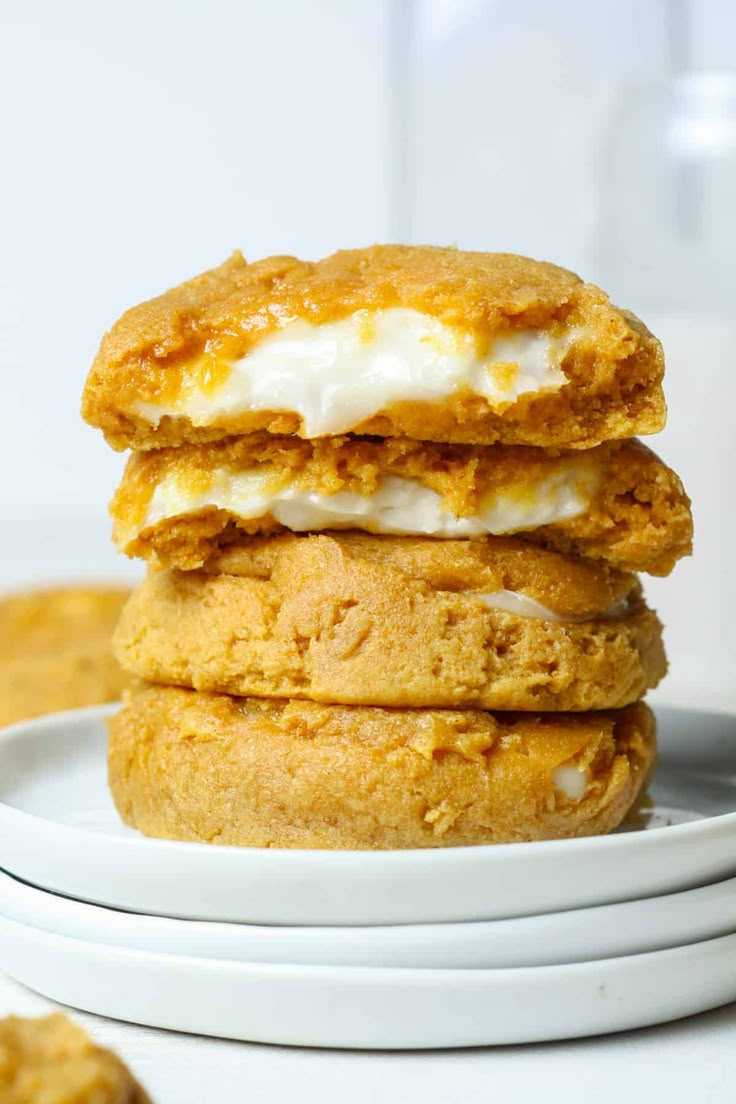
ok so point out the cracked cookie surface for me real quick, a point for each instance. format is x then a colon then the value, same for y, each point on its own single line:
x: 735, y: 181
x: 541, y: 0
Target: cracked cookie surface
x: 425, y: 342
x: 618, y: 502
x: 402, y: 622
x: 216, y: 769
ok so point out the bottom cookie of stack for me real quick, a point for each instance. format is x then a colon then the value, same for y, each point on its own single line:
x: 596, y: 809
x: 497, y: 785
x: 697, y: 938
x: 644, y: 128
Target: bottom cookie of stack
x: 206, y: 767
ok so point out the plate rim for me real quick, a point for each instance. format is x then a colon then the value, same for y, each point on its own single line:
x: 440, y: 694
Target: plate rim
x: 384, y: 1008
x: 702, y: 827
x: 584, y: 911
x: 377, y: 974
x: 591, y: 933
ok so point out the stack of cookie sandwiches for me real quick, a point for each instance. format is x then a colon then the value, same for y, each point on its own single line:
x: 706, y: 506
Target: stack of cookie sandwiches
x: 394, y: 514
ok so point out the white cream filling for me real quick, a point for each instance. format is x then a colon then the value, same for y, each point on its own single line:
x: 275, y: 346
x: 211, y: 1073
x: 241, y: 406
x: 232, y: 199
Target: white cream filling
x: 570, y: 781
x: 399, y: 506
x: 336, y: 375
x: 521, y: 605
x: 511, y: 601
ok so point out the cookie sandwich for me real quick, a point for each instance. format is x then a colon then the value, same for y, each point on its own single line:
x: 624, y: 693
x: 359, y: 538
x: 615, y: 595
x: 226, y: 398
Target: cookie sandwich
x: 395, y: 515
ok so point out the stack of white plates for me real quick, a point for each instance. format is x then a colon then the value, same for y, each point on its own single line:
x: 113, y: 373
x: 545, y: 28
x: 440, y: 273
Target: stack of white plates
x: 454, y: 947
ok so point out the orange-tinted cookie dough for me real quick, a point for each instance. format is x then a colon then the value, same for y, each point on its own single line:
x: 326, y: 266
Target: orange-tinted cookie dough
x: 52, y: 1061
x: 637, y: 518
x: 187, y: 340
x: 55, y: 650
x: 397, y: 622
x: 215, y: 769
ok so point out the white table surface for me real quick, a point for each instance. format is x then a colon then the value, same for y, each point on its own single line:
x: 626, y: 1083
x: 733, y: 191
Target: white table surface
x: 692, y: 1061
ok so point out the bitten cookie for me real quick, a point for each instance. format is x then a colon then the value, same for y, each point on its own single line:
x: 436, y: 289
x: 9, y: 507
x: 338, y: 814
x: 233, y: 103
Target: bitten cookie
x: 215, y: 769
x: 618, y: 502
x: 55, y: 650
x: 52, y: 1061
x: 395, y: 341
x: 394, y: 621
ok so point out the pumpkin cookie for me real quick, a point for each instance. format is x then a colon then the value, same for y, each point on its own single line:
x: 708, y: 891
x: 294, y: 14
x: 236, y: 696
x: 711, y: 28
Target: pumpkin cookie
x: 55, y: 650
x: 617, y: 502
x: 402, y: 622
x: 52, y: 1061
x: 215, y: 769
x: 411, y: 341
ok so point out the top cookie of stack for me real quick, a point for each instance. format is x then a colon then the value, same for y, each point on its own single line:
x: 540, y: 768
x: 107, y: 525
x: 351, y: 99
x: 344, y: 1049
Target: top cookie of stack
x: 471, y: 416
x: 393, y: 341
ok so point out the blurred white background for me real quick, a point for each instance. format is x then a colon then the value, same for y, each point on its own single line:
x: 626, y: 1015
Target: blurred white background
x: 143, y: 142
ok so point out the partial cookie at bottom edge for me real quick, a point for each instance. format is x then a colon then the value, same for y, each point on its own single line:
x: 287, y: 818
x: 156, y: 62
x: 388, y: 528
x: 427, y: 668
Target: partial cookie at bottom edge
x: 51, y: 1059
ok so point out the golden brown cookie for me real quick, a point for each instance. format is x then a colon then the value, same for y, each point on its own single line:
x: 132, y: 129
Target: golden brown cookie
x: 52, y: 1061
x: 215, y: 769
x: 410, y: 341
x: 55, y: 650
x: 401, y: 622
x: 617, y: 502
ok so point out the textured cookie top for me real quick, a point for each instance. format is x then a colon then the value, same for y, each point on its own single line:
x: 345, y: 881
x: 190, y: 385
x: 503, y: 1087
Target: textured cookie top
x: 569, y: 587
x: 426, y: 342
x: 397, y: 622
x: 617, y: 502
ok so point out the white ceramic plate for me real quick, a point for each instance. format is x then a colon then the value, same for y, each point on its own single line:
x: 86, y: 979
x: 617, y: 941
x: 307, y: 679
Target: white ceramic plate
x: 59, y: 831
x: 339, y: 1006
x: 580, y: 935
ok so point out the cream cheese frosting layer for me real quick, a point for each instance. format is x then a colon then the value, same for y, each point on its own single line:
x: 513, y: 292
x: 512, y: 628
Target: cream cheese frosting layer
x: 399, y: 506
x: 336, y: 375
x: 521, y: 605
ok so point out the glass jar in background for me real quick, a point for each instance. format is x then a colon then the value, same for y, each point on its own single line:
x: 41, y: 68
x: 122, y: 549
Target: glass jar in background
x: 666, y: 245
